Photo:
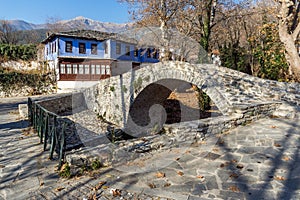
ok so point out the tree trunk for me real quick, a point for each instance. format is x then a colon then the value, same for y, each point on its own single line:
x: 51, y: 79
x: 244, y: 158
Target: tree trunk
x: 165, y: 51
x: 291, y: 53
x: 208, y: 20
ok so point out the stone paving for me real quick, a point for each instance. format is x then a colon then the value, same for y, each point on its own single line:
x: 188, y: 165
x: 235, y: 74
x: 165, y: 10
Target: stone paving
x: 255, y: 161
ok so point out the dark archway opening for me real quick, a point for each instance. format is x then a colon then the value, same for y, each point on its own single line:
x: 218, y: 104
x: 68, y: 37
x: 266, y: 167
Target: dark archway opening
x: 171, y: 101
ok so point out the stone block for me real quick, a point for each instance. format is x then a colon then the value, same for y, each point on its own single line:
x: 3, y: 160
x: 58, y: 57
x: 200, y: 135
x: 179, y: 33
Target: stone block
x: 23, y: 110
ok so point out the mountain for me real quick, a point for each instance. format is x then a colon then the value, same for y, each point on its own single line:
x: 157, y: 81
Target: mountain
x: 22, y: 25
x: 89, y: 24
x: 76, y: 23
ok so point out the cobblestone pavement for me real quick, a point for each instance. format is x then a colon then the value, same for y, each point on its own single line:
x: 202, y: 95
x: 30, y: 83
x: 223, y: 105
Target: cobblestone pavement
x: 256, y: 161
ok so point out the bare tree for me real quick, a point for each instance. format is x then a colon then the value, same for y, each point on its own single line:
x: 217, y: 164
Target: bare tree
x: 289, y: 29
x: 8, y: 34
x: 156, y: 12
x: 197, y: 20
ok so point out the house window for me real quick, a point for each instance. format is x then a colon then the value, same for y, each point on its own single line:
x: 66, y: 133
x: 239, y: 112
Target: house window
x: 82, y: 48
x: 105, y: 48
x: 155, y: 55
x: 81, y: 70
x: 108, y: 69
x: 55, y: 47
x: 118, y: 48
x: 136, y: 52
x: 98, y: 69
x: 149, y: 53
x: 62, y: 69
x: 93, y: 69
x: 69, y: 69
x: 86, y: 69
x: 69, y: 46
x: 103, y: 69
x: 94, y: 49
x: 127, y: 50
x: 75, y: 69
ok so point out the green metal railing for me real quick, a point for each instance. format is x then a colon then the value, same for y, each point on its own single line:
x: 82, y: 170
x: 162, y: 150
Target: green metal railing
x: 50, y: 127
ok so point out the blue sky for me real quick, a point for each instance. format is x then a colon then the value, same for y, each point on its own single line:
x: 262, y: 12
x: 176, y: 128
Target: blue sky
x: 38, y: 11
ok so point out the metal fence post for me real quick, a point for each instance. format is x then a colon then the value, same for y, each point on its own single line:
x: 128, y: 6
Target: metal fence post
x: 62, y: 145
x: 53, y: 138
x: 46, y: 130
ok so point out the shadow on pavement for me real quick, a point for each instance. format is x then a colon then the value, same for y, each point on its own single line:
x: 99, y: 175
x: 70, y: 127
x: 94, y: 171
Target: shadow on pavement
x: 15, y: 125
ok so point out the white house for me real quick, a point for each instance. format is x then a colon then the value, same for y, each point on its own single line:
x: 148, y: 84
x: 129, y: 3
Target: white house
x: 83, y: 57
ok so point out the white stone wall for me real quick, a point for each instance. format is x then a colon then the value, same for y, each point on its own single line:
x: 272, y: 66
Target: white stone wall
x: 74, y: 85
x: 22, y: 65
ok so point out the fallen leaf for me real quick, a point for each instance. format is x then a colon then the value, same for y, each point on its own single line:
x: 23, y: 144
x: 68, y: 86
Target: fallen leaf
x: 225, y: 164
x: 151, y: 185
x: 116, y: 193
x: 187, y: 152
x: 279, y: 178
x: 59, y: 189
x: 180, y: 173
x: 200, y: 176
x: 286, y: 158
x: 63, y: 167
x: 234, y: 175
x: 273, y: 126
x: 177, y: 159
x: 42, y: 183
x: 167, y: 184
x: 277, y: 145
x: 105, y: 187
x: 99, y: 185
x: 160, y: 175
x: 234, y: 161
x: 234, y: 188
x: 240, y: 166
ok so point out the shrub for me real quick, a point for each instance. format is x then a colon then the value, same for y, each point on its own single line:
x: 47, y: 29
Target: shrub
x: 65, y: 171
x: 18, y: 52
x: 13, y: 80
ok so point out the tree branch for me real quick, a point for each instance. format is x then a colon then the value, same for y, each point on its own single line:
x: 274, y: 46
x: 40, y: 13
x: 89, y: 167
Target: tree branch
x: 296, y: 32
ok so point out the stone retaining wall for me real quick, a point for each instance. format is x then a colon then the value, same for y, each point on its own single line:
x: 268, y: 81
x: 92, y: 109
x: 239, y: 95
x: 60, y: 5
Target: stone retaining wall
x: 23, y: 65
x: 65, y: 104
x: 217, y: 125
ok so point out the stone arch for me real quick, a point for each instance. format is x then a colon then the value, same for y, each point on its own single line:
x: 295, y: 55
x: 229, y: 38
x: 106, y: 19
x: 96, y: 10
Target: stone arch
x: 153, y: 84
x: 195, y: 74
x: 112, y: 97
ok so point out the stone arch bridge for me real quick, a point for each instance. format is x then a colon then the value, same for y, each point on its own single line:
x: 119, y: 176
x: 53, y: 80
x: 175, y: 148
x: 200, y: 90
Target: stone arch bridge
x: 136, y: 97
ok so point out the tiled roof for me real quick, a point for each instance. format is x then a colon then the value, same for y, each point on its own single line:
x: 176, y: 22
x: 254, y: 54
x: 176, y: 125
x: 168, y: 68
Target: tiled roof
x: 90, y: 35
